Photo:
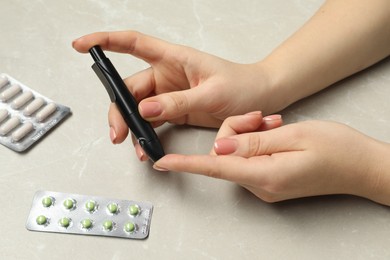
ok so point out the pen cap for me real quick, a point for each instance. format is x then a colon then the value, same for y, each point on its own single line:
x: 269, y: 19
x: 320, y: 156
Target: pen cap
x: 97, y: 53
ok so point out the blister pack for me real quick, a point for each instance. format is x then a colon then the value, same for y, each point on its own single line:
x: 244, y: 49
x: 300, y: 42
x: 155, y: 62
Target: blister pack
x: 89, y: 215
x: 25, y: 115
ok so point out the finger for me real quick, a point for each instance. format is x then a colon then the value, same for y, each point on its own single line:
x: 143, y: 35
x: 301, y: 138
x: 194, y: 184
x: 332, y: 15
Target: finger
x: 247, y: 145
x: 173, y: 105
x: 141, y: 84
x: 240, y: 124
x: 135, y: 43
x: 118, y: 127
x: 142, y: 156
x: 201, y: 119
x: 249, y: 122
x: 232, y: 168
x: 271, y: 122
x: 268, y: 177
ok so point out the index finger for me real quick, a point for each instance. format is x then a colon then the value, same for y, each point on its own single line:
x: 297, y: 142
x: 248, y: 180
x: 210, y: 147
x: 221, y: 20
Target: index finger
x: 132, y: 42
x: 231, y: 168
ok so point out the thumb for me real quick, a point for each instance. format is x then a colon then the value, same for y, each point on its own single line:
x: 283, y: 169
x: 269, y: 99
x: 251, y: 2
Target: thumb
x: 247, y: 145
x: 174, y: 106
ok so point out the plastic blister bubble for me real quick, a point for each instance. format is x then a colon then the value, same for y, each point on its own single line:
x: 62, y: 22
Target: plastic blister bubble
x: 89, y: 215
x: 25, y: 115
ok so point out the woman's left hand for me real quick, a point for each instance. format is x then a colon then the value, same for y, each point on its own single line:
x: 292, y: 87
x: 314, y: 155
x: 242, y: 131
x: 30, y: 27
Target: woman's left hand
x: 297, y: 160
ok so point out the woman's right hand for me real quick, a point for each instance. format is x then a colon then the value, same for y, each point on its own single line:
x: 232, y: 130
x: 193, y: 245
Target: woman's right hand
x: 182, y: 85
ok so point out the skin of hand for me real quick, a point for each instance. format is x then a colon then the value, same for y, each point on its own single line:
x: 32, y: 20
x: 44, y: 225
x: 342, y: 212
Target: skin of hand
x: 297, y: 160
x: 182, y: 85
x: 304, y: 159
x: 342, y: 38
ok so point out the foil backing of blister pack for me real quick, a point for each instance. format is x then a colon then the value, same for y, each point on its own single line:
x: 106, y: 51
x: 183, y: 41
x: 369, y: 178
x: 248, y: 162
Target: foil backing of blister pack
x: 68, y: 213
x: 25, y: 115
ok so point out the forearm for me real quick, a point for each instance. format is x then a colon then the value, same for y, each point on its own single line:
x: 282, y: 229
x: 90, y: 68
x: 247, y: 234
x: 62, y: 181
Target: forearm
x: 342, y: 38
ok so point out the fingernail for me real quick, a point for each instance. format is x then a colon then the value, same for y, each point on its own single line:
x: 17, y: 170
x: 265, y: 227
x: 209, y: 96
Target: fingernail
x: 158, y: 168
x: 112, y: 135
x: 272, y: 118
x: 140, y: 153
x: 254, y: 113
x: 225, y: 146
x: 150, y: 109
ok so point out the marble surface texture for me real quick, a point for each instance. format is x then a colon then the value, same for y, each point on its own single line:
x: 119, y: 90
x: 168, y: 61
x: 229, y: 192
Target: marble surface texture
x: 194, y: 217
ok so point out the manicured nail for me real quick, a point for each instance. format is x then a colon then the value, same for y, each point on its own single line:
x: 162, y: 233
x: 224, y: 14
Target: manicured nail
x: 158, y: 168
x: 112, y: 135
x: 254, y: 113
x: 140, y: 153
x: 150, y: 109
x: 225, y: 146
x: 272, y: 118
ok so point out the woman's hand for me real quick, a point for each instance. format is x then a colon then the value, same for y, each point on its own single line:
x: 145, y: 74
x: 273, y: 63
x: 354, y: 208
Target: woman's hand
x: 182, y: 85
x: 298, y: 160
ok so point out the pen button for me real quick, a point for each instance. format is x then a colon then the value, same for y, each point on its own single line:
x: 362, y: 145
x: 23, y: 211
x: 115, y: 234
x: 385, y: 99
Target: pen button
x: 141, y: 141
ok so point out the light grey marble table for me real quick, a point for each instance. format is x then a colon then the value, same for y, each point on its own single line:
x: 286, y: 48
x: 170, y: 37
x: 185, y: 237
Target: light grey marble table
x: 194, y: 217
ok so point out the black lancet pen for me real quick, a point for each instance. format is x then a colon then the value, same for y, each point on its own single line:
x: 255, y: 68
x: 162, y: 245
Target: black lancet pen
x: 126, y: 103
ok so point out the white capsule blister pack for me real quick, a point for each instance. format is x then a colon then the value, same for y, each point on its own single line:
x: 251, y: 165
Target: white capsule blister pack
x: 25, y: 115
x: 89, y: 215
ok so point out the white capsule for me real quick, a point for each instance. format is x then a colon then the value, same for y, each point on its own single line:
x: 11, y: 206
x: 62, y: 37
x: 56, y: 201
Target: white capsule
x: 46, y: 111
x: 22, y: 99
x: 34, y: 106
x: 9, y: 125
x: 22, y: 131
x: 3, y: 81
x: 10, y: 92
x: 3, y: 114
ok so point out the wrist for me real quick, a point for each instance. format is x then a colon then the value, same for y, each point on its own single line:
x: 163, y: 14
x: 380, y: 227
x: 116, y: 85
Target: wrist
x: 378, y: 176
x: 278, y: 95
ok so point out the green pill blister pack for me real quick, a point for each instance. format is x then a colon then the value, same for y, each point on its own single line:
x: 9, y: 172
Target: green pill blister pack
x: 89, y: 215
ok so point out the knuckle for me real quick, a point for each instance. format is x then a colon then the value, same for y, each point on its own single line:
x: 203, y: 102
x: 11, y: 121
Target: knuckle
x: 180, y: 102
x: 229, y: 122
x: 254, y: 145
x: 216, y: 170
x: 214, y: 173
